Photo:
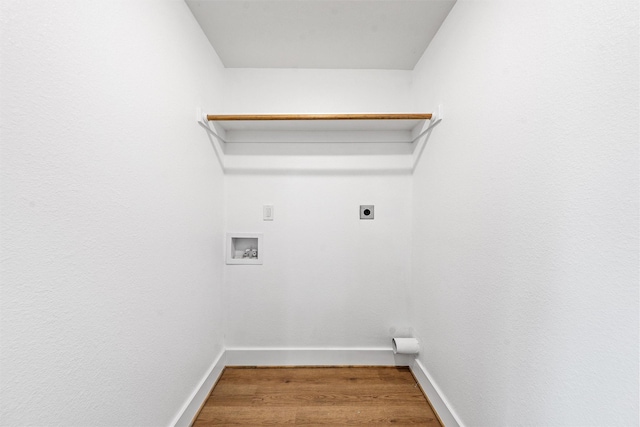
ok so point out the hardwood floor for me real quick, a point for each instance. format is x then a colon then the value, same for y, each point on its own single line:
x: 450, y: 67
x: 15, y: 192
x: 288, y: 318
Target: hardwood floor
x: 316, y: 396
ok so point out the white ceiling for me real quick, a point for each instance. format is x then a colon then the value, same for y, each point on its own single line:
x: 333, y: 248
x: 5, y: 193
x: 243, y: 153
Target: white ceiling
x: 351, y: 34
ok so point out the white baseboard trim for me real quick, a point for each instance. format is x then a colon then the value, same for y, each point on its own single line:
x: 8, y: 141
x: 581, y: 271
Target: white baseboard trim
x: 192, y: 406
x: 437, y: 399
x: 315, y: 357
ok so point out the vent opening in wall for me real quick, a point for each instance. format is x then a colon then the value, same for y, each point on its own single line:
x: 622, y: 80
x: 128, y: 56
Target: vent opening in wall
x: 244, y: 248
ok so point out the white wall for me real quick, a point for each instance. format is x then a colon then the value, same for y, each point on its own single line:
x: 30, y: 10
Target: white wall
x: 329, y: 279
x: 307, y: 91
x: 525, y: 269
x: 111, y: 212
x: 522, y: 215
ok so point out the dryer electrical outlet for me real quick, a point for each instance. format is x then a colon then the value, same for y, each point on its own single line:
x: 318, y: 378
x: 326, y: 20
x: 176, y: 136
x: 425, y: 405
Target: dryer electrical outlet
x: 366, y: 211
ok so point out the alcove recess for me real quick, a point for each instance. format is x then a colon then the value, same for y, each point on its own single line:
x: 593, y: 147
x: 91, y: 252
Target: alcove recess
x: 239, y: 243
x: 390, y: 128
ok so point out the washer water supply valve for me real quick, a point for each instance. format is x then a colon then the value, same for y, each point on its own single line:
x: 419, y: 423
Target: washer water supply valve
x: 250, y: 253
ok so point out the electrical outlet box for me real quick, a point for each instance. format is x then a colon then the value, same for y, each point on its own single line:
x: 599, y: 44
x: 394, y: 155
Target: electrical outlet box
x: 366, y: 211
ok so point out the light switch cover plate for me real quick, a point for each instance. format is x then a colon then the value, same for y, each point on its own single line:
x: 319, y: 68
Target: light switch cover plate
x: 267, y: 212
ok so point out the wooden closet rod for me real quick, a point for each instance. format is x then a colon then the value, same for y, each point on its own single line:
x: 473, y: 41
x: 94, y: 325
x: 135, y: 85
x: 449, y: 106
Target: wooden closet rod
x: 249, y: 117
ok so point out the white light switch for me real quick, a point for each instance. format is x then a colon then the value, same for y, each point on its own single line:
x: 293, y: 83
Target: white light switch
x: 267, y: 212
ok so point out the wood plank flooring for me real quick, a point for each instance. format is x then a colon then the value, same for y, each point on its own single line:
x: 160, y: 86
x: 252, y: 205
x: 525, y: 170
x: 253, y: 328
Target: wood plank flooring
x: 310, y: 396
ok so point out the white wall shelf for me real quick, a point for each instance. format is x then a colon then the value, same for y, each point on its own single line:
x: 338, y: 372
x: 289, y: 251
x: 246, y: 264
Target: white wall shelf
x: 389, y: 143
x: 393, y: 128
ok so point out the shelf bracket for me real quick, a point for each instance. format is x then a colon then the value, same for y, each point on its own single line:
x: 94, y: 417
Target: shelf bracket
x: 217, y: 142
x: 420, y: 144
x: 435, y: 120
x: 204, y: 122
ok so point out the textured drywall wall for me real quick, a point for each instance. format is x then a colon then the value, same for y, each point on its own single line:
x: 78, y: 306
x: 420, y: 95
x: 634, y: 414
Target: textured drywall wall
x: 111, y: 212
x: 329, y: 279
x: 272, y: 91
x: 525, y: 243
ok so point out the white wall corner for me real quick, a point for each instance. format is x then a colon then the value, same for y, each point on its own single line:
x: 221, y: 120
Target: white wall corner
x: 194, y: 403
x: 437, y: 399
x: 439, y: 113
